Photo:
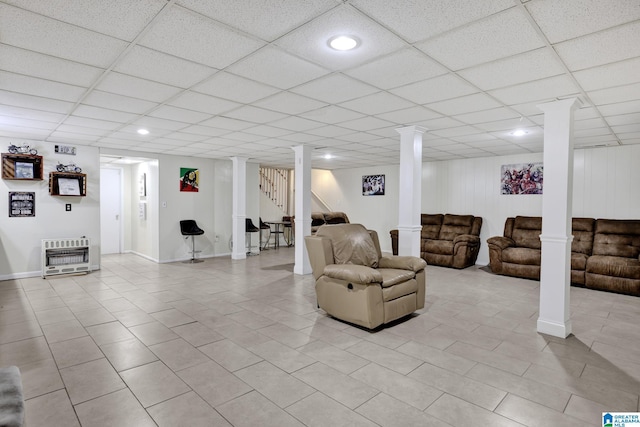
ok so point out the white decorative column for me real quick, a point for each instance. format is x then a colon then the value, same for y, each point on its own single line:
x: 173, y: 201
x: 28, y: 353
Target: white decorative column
x: 239, y: 207
x: 302, y: 193
x: 410, y: 190
x: 555, y: 270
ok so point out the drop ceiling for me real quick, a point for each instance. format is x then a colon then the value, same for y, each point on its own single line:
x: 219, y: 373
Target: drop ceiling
x: 253, y: 78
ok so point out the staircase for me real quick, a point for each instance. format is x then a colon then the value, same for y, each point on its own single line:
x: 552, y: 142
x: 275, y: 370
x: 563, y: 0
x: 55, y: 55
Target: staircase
x: 274, y: 183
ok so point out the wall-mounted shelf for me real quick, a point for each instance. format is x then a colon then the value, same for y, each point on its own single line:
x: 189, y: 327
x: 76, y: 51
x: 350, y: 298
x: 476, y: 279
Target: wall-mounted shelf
x: 67, y: 184
x: 23, y: 167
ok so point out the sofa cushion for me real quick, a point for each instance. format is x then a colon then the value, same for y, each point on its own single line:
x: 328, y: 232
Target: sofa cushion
x: 614, y: 266
x: 526, y: 232
x: 579, y: 261
x: 455, y: 225
x: 316, y: 222
x: 582, y: 230
x: 442, y: 247
x: 352, y: 244
x: 431, y: 224
x: 617, y: 238
x: 524, y: 256
x: 393, y: 276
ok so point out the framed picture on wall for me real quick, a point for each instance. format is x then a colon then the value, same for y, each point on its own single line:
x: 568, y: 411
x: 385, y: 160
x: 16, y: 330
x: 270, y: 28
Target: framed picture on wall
x: 22, y: 203
x: 189, y: 179
x: 143, y: 184
x: 525, y: 178
x: 373, y: 185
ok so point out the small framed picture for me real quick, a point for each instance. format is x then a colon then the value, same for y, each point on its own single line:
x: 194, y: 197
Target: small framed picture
x: 373, y: 185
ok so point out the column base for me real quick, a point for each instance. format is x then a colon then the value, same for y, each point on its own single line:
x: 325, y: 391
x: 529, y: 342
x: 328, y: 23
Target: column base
x: 560, y: 330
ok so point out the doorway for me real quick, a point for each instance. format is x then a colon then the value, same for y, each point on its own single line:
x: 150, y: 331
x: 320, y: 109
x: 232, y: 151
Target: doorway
x: 110, y: 211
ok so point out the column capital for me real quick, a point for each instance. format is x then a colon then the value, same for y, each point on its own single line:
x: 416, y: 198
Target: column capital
x: 411, y: 129
x: 559, y: 105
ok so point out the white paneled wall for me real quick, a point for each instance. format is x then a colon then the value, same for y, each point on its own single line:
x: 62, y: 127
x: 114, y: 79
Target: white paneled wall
x: 605, y: 186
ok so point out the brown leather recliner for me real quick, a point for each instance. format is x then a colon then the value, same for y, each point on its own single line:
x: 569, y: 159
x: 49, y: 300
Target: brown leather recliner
x: 355, y: 283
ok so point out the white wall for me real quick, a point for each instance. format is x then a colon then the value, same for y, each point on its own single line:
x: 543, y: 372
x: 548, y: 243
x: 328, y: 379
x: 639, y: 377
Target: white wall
x: 605, y: 181
x: 20, y: 238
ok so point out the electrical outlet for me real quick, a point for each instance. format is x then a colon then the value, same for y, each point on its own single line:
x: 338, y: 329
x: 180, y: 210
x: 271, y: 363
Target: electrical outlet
x: 164, y: 204
x: 217, y: 238
x: 67, y: 207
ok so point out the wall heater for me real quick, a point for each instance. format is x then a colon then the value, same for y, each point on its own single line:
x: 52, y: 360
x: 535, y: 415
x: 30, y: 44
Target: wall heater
x: 65, y: 256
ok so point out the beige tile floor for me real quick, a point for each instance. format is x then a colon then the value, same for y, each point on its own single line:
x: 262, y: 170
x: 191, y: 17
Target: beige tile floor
x: 242, y: 343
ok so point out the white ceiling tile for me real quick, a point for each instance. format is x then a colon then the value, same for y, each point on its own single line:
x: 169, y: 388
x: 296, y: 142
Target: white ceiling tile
x: 464, y: 104
x: 267, y: 131
x: 59, y: 136
x: 227, y: 123
x: 534, y: 65
x: 45, y: 35
x: 91, y: 123
x: 27, y: 123
x: 625, y: 119
x: 331, y: 115
x: 413, y: 115
x: 301, y: 138
x: 615, y: 44
x: 297, y: 124
x: 185, y: 34
x: 81, y: 130
x: 335, y: 88
x: 498, y: 36
x: 38, y: 87
x: 170, y: 112
x: 539, y: 90
x: 366, y: 123
x: 277, y: 68
x: 492, y: 115
x: 257, y: 16
x: 123, y: 84
x: 117, y: 102
x: 289, y: 103
x: 616, y: 94
x: 505, y: 125
x: 589, y: 123
x: 330, y: 131
x: 436, y: 89
x: 567, y: 19
x: 184, y: 136
x: 428, y: 17
x: 235, y: 88
x: 155, y: 126
x: 242, y: 137
x: 47, y: 67
x: 34, y: 102
x: 377, y: 103
x: 27, y: 113
x: 635, y: 127
x: 455, y: 132
x: 630, y: 137
x: 441, y: 123
x: 610, y: 75
x: 10, y: 131
x: 204, y: 130
x: 160, y: 67
x: 311, y: 41
x: 254, y: 114
x: 123, y: 19
x: 585, y: 113
x: 103, y: 114
x: 398, y: 69
x: 621, y: 108
x: 204, y: 103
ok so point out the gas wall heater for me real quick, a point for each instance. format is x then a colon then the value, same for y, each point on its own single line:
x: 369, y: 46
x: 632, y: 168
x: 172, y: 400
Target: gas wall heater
x: 65, y: 256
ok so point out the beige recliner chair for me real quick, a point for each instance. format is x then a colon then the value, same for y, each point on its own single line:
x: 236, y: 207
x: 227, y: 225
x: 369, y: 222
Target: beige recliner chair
x: 355, y: 283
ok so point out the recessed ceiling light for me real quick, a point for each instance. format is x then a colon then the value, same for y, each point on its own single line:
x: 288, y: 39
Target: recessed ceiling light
x: 519, y: 132
x: 328, y: 156
x: 143, y: 131
x: 343, y: 42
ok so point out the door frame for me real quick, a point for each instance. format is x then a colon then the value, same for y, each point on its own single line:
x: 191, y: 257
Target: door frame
x: 120, y: 213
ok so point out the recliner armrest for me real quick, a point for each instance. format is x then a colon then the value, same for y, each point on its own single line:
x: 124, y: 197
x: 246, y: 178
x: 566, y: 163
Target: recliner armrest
x: 402, y: 263
x: 466, y: 238
x: 501, y: 242
x: 353, y: 273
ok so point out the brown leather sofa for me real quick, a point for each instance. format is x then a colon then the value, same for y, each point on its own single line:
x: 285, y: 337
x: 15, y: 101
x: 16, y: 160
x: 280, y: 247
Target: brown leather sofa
x: 447, y: 240
x: 355, y: 283
x: 605, y: 253
x: 319, y: 219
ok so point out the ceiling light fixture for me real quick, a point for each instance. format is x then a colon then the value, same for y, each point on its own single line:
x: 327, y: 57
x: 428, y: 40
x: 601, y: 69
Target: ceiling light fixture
x: 343, y: 42
x: 143, y: 132
x: 328, y: 156
x: 519, y: 132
